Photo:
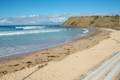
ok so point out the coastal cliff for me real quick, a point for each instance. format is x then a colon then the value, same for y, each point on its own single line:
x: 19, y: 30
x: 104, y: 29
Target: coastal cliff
x: 94, y: 21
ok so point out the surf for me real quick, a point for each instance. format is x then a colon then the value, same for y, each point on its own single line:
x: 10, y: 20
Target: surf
x: 11, y: 33
x: 29, y: 27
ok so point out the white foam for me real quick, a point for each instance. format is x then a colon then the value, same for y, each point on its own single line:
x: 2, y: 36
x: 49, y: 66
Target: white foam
x: 10, y: 33
x: 30, y: 27
x: 85, y: 30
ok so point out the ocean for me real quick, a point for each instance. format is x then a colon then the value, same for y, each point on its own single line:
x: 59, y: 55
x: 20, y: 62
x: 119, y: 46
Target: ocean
x: 21, y: 39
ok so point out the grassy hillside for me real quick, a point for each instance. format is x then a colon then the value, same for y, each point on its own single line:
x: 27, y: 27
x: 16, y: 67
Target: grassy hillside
x: 94, y: 21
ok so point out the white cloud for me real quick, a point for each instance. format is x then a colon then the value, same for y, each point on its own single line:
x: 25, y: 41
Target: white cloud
x: 5, y: 21
x: 58, y: 19
x: 34, y: 19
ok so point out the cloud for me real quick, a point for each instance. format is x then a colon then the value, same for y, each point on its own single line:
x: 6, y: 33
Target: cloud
x: 4, y: 21
x: 58, y: 19
x: 34, y: 19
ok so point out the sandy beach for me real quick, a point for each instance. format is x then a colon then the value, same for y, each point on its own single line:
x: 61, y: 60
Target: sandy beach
x: 59, y: 40
x: 70, y: 61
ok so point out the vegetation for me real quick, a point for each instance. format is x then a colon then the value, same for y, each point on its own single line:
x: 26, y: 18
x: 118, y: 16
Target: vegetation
x: 94, y: 21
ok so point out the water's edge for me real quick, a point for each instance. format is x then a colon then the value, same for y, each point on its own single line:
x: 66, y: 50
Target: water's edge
x: 15, y: 56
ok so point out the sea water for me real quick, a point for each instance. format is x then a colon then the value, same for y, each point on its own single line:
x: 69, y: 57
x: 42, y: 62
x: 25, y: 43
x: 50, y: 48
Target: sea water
x: 21, y: 39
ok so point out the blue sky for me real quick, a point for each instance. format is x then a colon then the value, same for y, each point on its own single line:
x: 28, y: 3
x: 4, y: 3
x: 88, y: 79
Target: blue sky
x: 13, y: 8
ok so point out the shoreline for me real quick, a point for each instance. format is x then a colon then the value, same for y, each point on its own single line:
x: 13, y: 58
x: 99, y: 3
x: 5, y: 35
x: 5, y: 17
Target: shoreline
x: 75, y: 66
x: 14, y: 56
x: 89, y: 31
x: 52, y: 54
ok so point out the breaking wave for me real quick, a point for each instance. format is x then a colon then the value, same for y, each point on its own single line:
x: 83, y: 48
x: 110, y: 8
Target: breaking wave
x: 85, y: 30
x: 29, y: 27
x: 10, y: 33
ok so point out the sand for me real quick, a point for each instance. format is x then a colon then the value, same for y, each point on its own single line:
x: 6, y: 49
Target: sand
x: 17, y: 63
x: 95, y: 49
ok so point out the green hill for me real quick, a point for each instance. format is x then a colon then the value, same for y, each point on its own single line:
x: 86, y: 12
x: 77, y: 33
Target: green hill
x: 94, y: 21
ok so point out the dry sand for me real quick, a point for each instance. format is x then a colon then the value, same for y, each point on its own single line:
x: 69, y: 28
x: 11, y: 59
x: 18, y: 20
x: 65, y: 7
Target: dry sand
x: 71, y: 67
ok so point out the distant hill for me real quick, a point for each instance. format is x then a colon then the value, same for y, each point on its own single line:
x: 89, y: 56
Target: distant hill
x: 94, y: 21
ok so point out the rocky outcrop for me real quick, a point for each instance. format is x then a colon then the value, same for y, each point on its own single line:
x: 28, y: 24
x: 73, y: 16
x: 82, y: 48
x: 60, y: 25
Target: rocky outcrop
x: 94, y: 21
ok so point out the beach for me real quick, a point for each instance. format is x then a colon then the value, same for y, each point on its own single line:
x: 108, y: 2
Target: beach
x: 70, y: 61
x: 59, y: 40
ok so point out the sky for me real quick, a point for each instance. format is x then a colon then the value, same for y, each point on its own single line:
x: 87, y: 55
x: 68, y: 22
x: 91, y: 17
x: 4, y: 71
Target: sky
x: 15, y: 8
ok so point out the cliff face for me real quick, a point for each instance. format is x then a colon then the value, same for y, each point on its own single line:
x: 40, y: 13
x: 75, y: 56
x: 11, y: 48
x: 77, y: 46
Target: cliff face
x: 94, y: 21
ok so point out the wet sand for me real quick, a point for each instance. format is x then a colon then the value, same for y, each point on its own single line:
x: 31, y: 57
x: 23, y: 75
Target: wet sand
x: 57, y: 54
